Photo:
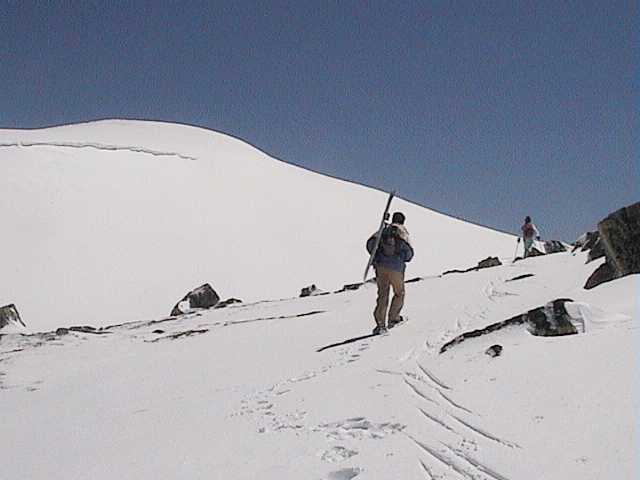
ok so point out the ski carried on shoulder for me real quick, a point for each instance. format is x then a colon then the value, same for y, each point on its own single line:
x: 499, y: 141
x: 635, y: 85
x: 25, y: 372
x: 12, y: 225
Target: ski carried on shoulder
x: 385, y: 216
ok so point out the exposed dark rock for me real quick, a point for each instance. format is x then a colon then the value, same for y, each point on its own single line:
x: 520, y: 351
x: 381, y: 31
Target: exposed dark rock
x: 62, y: 331
x: 88, y: 329
x: 590, y: 241
x: 620, y: 235
x: 352, y: 286
x: 604, y: 273
x: 554, y: 246
x: 486, y: 263
x: 309, y: 291
x: 268, y: 319
x: 534, y: 252
x: 9, y: 315
x: 227, y: 302
x: 580, y: 241
x: 551, y: 320
x: 597, y: 251
x: 158, y: 331
x: 174, y: 336
x: 494, y: 350
x: 520, y: 277
x: 202, y: 297
x: 413, y: 280
x: 620, y: 240
x: 83, y: 328
x: 458, y: 271
x: 517, y: 320
x: 489, y: 262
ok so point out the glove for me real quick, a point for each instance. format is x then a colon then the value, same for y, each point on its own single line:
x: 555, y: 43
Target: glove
x: 518, y: 239
x: 538, y: 238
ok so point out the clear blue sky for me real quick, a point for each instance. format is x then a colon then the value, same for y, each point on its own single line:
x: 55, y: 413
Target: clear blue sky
x: 484, y: 110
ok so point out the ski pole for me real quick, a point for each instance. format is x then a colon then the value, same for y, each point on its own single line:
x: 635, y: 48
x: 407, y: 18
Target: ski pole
x: 516, y: 250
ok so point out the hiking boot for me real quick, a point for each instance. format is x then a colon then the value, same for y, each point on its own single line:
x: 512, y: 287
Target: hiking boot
x: 379, y: 330
x: 393, y: 323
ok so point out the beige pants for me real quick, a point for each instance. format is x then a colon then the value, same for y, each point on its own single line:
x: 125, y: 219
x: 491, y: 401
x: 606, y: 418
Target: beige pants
x: 386, y: 278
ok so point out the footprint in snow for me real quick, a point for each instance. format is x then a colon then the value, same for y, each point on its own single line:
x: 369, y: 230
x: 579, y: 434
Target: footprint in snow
x: 359, y: 428
x: 337, y: 454
x: 344, y: 474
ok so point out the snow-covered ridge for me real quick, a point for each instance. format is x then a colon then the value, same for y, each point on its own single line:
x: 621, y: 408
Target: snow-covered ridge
x: 97, y: 146
x: 114, y: 221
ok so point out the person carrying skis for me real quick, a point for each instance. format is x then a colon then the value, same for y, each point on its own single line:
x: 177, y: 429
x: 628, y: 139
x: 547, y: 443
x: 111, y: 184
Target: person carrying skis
x: 529, y: 233
x: 394, y: 251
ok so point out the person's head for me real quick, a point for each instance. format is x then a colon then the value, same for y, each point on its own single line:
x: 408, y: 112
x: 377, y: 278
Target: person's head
x: 398, y: 217
x: 527, y: 219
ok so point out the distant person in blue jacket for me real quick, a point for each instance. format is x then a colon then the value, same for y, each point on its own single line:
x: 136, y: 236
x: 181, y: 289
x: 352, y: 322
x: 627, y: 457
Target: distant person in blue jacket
x: 394, y: 251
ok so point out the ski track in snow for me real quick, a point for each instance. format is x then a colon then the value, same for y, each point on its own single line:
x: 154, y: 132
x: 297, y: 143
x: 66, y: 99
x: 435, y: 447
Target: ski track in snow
x: 454, y: 404
x: 443, y: 459
x: 457, y: 461
x: 437, y: 420
x: 433, y: 378
x: 461, y: 462
x: 417, y: 391
x: 475, y: 463
x: 97, y: 146
x: 485, y: 434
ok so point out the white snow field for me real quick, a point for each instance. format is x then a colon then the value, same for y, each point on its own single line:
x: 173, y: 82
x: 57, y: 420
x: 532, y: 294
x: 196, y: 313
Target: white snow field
x: 242, y: 393
x: 111, y: 221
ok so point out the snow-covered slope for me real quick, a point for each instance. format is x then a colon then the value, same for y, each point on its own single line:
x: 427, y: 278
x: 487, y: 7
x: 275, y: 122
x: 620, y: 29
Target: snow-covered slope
x: 112, y: 221
x: 241, y: 393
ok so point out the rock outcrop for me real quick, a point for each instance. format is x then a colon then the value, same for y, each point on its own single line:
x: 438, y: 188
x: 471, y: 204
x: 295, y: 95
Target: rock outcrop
x: 486, y: 263
x: 596, y: 251
x: 586, y: 241
x: 603, y: 273
x: 227, y: 302
x: 520, y: 277
x: 310, y: 290
x: 549, y: 320
x: 494, y: 350
x: 620, y: 239
x: 554, y: 246
x: 202, y: 297
x: 350, y: 287
x: 534, y: 252
x: 9, y: 316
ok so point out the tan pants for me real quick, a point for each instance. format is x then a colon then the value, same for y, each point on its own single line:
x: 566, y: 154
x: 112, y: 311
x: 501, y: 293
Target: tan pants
x: 386, y: 278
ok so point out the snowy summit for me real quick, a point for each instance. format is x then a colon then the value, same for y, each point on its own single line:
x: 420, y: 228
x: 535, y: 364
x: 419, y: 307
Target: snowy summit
x: 109, y: 224
x: 113, y: 221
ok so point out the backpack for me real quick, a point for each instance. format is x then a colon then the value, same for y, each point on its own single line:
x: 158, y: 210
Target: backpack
x: 389, y: 241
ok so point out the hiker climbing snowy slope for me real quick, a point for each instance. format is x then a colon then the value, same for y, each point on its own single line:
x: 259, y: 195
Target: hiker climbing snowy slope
x: 394, y: 251
x: 529, y: 234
